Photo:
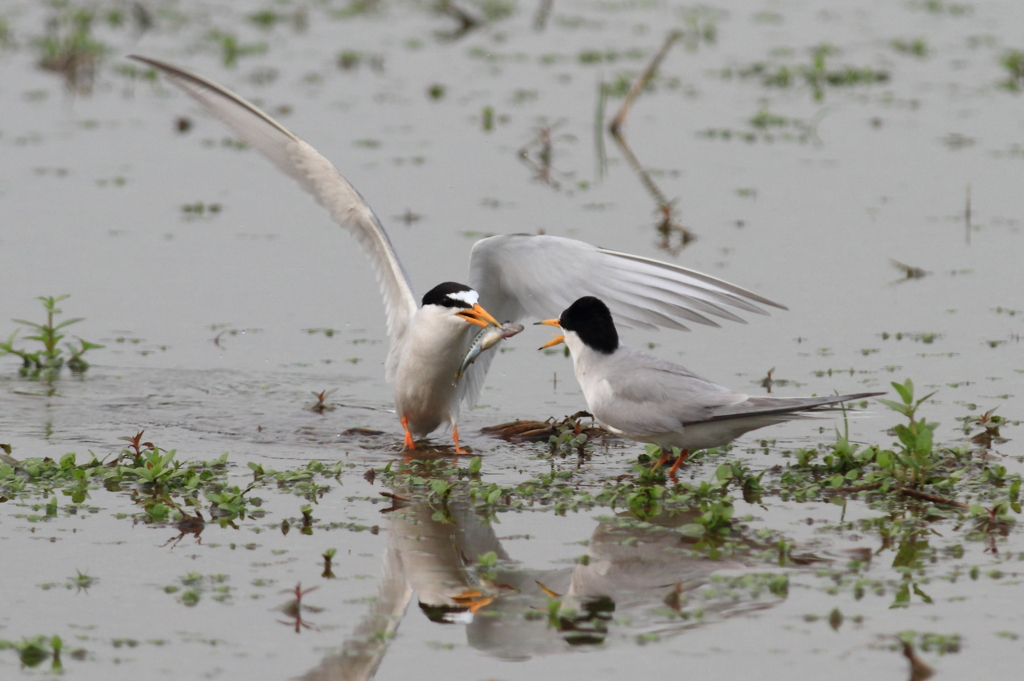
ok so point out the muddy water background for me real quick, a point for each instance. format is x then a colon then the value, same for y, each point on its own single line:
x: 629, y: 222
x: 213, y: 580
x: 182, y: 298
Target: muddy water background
x: 92, y: 186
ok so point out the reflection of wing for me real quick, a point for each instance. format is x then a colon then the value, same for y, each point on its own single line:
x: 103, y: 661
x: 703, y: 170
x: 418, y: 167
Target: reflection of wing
x: 316, y: 175
x: 521, y: 275
x: 362, y: 653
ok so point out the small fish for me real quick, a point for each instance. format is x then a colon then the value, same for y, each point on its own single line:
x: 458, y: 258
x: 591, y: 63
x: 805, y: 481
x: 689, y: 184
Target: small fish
x: 485, y: 340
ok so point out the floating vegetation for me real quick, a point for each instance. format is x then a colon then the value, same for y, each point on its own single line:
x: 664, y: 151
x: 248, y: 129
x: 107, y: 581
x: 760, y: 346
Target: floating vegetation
x: 356, y: 8
x: 231, y: 49
x: 909, y: 271
x: 609, y: 56
x: 349, y: 60
x: 954, y: 9
x: 36, y: 650
x: 819, y: 75
x: 268, y: 19
x: 69, y: 48
x: 921, y: 501
x: 199, y: 209
x: 927, y: 337
x: 918, y: 47
x: 166, y: 489
x: 700, y: 25
x: 766, y: 127
x: 955, y: 141
x: 5, y: 33
x: 1013, y: 62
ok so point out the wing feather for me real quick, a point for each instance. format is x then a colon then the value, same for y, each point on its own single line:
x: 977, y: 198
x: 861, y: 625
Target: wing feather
x: 314, y: 173
x: 523, y: 275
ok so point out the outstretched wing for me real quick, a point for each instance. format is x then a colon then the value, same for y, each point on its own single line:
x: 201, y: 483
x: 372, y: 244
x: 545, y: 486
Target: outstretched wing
x: 523, y: 275
x: 314, y: 173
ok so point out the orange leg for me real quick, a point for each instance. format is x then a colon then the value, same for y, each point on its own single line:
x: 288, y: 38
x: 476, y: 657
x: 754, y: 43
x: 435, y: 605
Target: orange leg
x: 455, y: 436
x: 683, y: 455
x: 661, y: 460
x: 409, y: 444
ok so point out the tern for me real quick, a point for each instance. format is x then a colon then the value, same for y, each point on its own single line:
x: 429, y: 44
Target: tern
x: 643, y: 398
x: 511, y: 276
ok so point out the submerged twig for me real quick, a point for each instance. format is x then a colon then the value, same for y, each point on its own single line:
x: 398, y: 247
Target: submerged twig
x: 542, y: 165
x: 934, y: 498
x: 917, y: 494
x: 910, y: 271
x: 667, y: 226
x: 640, y: 83
x: 467, y: 22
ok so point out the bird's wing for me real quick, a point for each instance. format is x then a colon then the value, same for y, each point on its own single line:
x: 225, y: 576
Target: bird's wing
x: 523, y: 275
x: 314, y: 173
x: 647, y: 395
x: 767, y: 405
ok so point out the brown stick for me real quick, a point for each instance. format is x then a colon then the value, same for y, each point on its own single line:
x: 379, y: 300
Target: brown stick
x: 931, y: 497
x: 640, y: 83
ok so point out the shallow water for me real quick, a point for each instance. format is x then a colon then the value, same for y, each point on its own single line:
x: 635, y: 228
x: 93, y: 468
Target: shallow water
x: 207, y: 326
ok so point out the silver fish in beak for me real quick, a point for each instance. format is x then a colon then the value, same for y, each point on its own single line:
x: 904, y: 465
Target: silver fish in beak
x: 488, y: 337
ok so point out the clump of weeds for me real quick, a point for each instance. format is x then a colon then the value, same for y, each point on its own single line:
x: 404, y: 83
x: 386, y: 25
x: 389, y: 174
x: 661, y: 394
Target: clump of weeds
x: 819, y: 75
x: 328, y: 555
x: 69, y: 48
x: 34, y: 651
x: 571, y: 438
x: 321, y: 405
x: 46, y: 362
x: 914, y: 469
x: 1013, y: 62
x: 232, y: 49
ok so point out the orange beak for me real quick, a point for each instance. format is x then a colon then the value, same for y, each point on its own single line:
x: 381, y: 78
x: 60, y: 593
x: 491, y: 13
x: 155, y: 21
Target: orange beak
x: 557, y: 339
x: 478, y: 316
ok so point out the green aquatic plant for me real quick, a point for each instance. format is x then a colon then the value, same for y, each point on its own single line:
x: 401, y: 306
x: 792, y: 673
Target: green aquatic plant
x: 486, y: 564
x: 229, y: 503
x: 135, y: 442
x: 34, y: 651
x: 82, y: 580
x: 913, y: 462
x: 156, y: 468
x: 231, y: 48
x: 328, y: 555
x: 918, y: 47
x: 69, y: 48
x: 47, y: 362
x: 819, y: 75
x: 1013, y: 62
x: 570, y: 438
x: 358, y: 8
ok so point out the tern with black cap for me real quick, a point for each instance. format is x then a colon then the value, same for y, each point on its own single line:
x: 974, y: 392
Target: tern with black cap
x: 512, y: 276
x: 647, y: 399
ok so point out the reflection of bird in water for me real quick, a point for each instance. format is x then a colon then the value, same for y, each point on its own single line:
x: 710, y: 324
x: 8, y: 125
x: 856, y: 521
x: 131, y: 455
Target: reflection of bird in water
x: 630, y: 571
x: 647, y: 399
x: 513, y: 276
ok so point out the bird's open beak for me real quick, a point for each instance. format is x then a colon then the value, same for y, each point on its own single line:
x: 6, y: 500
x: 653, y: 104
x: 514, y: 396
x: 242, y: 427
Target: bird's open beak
x: 478, y: 316
x: 557, y: 339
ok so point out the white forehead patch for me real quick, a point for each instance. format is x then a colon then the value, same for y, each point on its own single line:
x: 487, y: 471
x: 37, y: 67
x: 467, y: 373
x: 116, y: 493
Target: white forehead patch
x: 469, y: 297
